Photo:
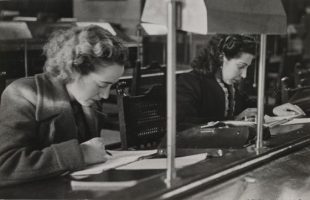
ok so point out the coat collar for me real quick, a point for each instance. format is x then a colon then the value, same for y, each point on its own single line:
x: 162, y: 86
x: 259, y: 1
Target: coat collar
x: 52, y: 96
x: 53, y: 99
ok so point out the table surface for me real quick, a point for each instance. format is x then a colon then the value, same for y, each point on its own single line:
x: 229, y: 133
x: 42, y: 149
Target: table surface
x: 284, y: 178
x: 288, y: 175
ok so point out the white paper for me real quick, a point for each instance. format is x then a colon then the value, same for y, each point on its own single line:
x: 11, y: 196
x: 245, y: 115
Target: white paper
x: 239, y: 123
x: 270, y: 119
x: 281, y: 120
x: 117, y: 159
x: 161, y: 163
x: 154, y: 29
x: 298, y: 121
x: 101, y: 185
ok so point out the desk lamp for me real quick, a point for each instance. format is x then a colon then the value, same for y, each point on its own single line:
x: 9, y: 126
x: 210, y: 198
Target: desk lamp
x: 16, y: 31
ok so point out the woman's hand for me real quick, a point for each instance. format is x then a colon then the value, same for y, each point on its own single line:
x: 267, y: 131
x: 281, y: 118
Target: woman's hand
x: 288, y: 109
x: 94, y: 151
x: 248, y: 114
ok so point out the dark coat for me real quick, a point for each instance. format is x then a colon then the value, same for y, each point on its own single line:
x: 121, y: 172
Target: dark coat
x: 38, y: 134
x: 200, y: 99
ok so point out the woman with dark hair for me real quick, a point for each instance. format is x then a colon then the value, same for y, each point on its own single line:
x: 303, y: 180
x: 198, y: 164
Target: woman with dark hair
x: 209, y: 92
x: 48, y: 123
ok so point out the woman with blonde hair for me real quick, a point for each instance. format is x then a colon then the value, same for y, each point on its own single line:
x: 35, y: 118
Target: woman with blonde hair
x: 48, y: 122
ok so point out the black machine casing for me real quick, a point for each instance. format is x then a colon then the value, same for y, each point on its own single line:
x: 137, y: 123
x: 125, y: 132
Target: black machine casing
x: 226, y: 136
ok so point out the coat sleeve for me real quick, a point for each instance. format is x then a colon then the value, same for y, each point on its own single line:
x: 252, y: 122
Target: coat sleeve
x: 20, y: 158
x: 243, y: 101
x: 188, y: 101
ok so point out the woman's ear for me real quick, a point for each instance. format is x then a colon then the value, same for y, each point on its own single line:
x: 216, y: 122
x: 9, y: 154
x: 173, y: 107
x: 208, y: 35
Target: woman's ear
x: 223, y: 58
x: 74, y: 76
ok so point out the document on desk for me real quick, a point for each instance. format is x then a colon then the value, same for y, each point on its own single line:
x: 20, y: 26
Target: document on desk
x: 161, y: 163
x: 297, y: 121
x: 272, y: 121
x: 117, y: 159
x: 239, y: 123
x: 284, y: 120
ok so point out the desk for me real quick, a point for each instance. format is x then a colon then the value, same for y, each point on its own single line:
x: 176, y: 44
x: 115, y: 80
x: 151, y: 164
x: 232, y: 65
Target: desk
x: 285, y: 178
x: 209, y: 173
x: 295, y: 162
x: 60, y: 188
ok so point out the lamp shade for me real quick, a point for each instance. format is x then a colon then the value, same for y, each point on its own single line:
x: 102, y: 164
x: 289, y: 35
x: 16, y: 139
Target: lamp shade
x: 14, y: 31
x: 154, y: 29
x: 114, y: 30
x: 104, y: 25
x: 222, y: 16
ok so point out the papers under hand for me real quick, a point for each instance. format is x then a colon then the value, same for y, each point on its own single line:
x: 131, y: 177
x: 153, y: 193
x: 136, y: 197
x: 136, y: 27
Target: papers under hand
x: 240, y: 123
x: 297, y: 121
x: 273, y: 121
x: 277, y: 123
x: 117, y: 159
x: 283, y: 120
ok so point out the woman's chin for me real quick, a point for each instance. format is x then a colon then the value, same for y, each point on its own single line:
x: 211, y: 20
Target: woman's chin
x: 86, y: 103
x: 229, y: 82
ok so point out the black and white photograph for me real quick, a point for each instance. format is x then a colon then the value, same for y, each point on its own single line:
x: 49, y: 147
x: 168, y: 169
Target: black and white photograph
x: 155, y: 99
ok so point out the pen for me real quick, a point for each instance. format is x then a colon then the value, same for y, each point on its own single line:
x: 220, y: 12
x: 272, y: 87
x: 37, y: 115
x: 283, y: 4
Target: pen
x: 109, y: 153
x: 210, y: 124
x: 148, y: 156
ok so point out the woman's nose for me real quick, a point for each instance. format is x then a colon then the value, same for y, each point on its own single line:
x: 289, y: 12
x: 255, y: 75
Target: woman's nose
x: 243, y: 73
x: 105, y: 93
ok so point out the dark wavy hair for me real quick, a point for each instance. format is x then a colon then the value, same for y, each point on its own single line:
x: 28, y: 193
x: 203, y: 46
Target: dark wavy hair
x: 79, y: 48
x: 210, y: 59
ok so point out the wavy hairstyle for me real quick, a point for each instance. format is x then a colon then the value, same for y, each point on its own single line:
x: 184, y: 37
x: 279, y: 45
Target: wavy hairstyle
x: 210, y: 59
x: 79, y: 48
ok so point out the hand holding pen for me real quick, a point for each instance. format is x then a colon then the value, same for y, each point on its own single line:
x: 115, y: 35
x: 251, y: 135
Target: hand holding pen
x: 288, y: 109
x: 94, y: 151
